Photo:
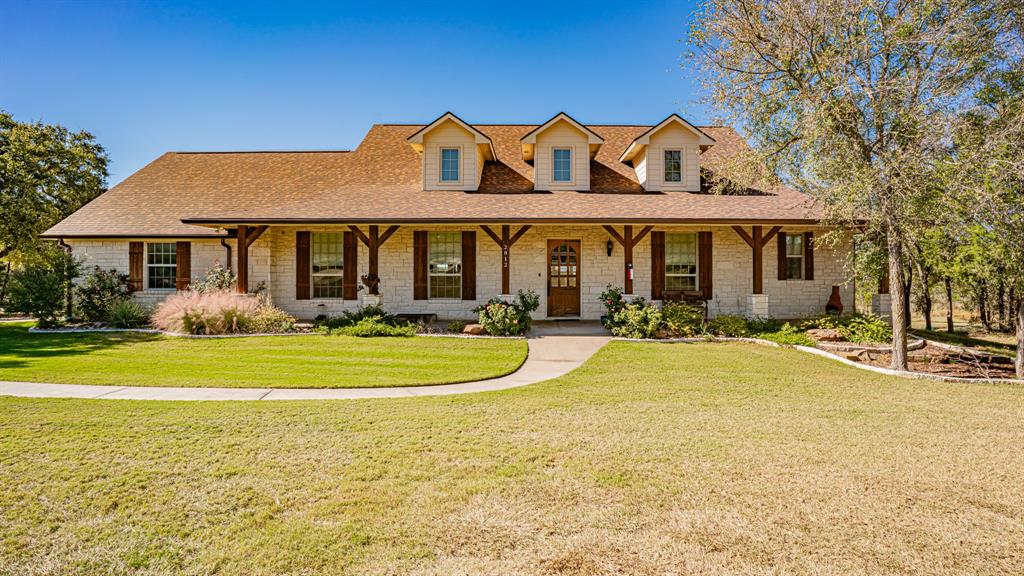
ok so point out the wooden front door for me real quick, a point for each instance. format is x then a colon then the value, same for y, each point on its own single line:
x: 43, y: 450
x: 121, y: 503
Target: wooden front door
x: 563, y: 278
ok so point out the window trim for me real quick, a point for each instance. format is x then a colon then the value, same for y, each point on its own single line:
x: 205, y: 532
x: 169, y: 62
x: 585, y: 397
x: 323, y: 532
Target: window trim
x: 801, y: 256
x: 572, y: 173
x: 696, y: 260
x: 431, y: 274
x: 440, y: 164
x: 173, y: 267
x: 313, y: 275
x: 664, y: 167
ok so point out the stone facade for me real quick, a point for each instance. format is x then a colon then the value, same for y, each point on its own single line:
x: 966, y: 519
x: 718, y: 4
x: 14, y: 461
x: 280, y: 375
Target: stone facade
x: 272, y: 261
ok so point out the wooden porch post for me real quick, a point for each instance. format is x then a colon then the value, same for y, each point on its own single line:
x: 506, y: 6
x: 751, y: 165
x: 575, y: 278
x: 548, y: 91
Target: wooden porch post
x: 757, y: 243
x: 505, y: 242
x: 373, y: 242
x: 628, y: 242
x: 242, y: 281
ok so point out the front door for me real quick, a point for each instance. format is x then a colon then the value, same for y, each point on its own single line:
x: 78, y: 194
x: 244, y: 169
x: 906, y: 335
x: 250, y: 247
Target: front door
x: 563, y: 278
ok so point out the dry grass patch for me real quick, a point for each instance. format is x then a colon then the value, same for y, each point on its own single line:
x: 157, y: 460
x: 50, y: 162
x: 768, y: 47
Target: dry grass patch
x: 650, y: 459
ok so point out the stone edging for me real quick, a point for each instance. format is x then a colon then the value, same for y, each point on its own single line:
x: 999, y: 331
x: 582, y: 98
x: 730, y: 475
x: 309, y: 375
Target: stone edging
x: 851, y: 347
x: 827, y: 354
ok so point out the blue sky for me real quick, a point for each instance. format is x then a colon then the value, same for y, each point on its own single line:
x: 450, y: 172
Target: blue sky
x: 148, y: 78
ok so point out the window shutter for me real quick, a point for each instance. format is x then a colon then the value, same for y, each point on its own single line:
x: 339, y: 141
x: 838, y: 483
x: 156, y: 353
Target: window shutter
x: 808, y: 255
x: 419, y: 265
x: 782, y: 255
x: 469, y: 265
x: 135, y: 250
x: 704, y: 265
x: 183, y: 260
x: 350, y: 270
x: 657, y: 265
x: 302, y: 272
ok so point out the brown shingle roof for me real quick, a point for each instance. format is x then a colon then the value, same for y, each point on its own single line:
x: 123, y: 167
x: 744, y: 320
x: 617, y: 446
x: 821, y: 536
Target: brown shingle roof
x: 381, y: 181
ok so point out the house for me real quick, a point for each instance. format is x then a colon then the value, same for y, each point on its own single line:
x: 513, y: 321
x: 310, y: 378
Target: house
x: 450, y: 214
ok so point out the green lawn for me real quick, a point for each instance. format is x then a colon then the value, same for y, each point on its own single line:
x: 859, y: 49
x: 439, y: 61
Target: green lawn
x: 126, y: 358
x: 991, y: 343
x: 650, y: 459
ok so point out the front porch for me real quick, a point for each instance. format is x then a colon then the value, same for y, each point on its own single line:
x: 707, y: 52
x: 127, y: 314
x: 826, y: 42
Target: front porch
x: 448, y: 270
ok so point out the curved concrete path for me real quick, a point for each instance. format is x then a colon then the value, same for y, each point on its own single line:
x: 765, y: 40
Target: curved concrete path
x: 550, y: 356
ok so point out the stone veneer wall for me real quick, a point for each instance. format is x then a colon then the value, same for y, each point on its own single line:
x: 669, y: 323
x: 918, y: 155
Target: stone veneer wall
x: 272, y: 260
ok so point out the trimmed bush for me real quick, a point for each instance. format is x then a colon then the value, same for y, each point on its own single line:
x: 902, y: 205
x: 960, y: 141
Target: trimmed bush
x: 127, y: 313
x: 500, y: 318
x: 730, y: 326
x: 637, y: 320
x: 40, y: 289
x: 269, y: 319
x: 787, y: 334
x: 98, y: 293
x: 683, y: 319
x: 371, y: 327
x: 613, y: 302
x: 456, y: 326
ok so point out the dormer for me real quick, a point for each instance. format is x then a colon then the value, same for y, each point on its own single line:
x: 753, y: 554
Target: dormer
x: 561, y: 150
x: 453, y: 153
x: 666, y: 158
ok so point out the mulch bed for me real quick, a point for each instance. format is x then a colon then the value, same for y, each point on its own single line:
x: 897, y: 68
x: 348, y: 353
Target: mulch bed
x: 934, y: 360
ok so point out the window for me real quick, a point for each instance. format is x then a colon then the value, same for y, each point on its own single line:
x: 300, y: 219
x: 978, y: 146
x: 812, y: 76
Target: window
x: 445, y: 264
x: 680, y: 262
x: 673, y: 165
x: 450, y: 164
x: 328, y: 264
x: 794, y: 256
x: 161, y: 264
x: 561, y: 165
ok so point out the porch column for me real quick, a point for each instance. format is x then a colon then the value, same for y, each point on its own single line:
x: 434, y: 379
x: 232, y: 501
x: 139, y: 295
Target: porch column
x: 757, y: 301
x: 628, y: 241
x: 246, y: 236
x: 505, y: 242
x: 373, y: 241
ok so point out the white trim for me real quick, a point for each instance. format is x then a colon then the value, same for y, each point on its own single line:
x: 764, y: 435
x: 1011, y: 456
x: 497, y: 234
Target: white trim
x: 572, y: 160
x: 644, y: 139
x: 440, y: 164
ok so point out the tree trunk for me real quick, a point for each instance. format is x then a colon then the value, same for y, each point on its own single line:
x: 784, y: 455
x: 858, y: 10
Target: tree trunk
x: 1020, y: 339
x: 949, y: 304
x: 907, y: 289
x: 1001, y: 303
x: 3, y: 284
x: 926, y: 285
x: 896, y: 286
x: 983, y: 306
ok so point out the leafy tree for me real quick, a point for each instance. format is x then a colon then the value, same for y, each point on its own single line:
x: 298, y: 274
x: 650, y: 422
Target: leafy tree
x: 43, y: 289
x: 46, y: 173
x: 851, y: 100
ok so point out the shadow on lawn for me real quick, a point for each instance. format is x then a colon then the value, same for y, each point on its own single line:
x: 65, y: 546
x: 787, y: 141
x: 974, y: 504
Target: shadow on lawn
x: 963, y: 339
x: 17, y: 344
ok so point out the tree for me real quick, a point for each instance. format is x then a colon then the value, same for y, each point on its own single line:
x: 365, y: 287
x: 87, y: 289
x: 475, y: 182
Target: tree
x: 851, y: 100
x: 46, y: 173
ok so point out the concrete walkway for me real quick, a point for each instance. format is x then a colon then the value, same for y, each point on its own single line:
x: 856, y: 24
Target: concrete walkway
x: 553, y: 352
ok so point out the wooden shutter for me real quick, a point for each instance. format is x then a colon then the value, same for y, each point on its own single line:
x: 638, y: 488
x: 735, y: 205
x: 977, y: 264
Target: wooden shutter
x: 469, y: 265
x: 183, y: 264
x: 419, y: 265
x: 135, y: 255
x: 350, y: 270
x: 302, y: 272
x: 808, y: 255
x: 782, y: 255
x: 657, y: 265
x: 705, y: 267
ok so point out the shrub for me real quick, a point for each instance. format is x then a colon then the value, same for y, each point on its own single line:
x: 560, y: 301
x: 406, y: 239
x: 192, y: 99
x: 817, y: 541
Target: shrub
x: 456, y: 326
x: 347, y: 318
x: 683, y: 319
x: 500, y: 318
x: 269, y: 319
x: 220, y: 312
x: 862, y: 328
x: 98, y: 293
x: 612, y: 300
x: 730, y: 326
x: 637, y: 320
x: 40, y: 289
x: 374, y: 327
x: 127, y: 313
x: 787, y: 334
x: 217, y: 279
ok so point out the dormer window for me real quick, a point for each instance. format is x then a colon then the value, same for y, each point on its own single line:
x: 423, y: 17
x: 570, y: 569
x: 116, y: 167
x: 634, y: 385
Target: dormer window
x: 450, y: 164
x: 673, y: 165
x: 561, y: 162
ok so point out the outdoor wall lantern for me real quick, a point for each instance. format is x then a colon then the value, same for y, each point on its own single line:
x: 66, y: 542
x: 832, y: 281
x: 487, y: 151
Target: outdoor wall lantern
x: 609, y: 246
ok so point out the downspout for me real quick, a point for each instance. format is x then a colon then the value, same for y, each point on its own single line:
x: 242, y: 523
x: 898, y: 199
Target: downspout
x: 227, y: 248
x: 67, y: 281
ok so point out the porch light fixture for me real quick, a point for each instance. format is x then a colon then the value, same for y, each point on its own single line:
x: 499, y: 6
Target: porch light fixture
x: 609, y: 246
